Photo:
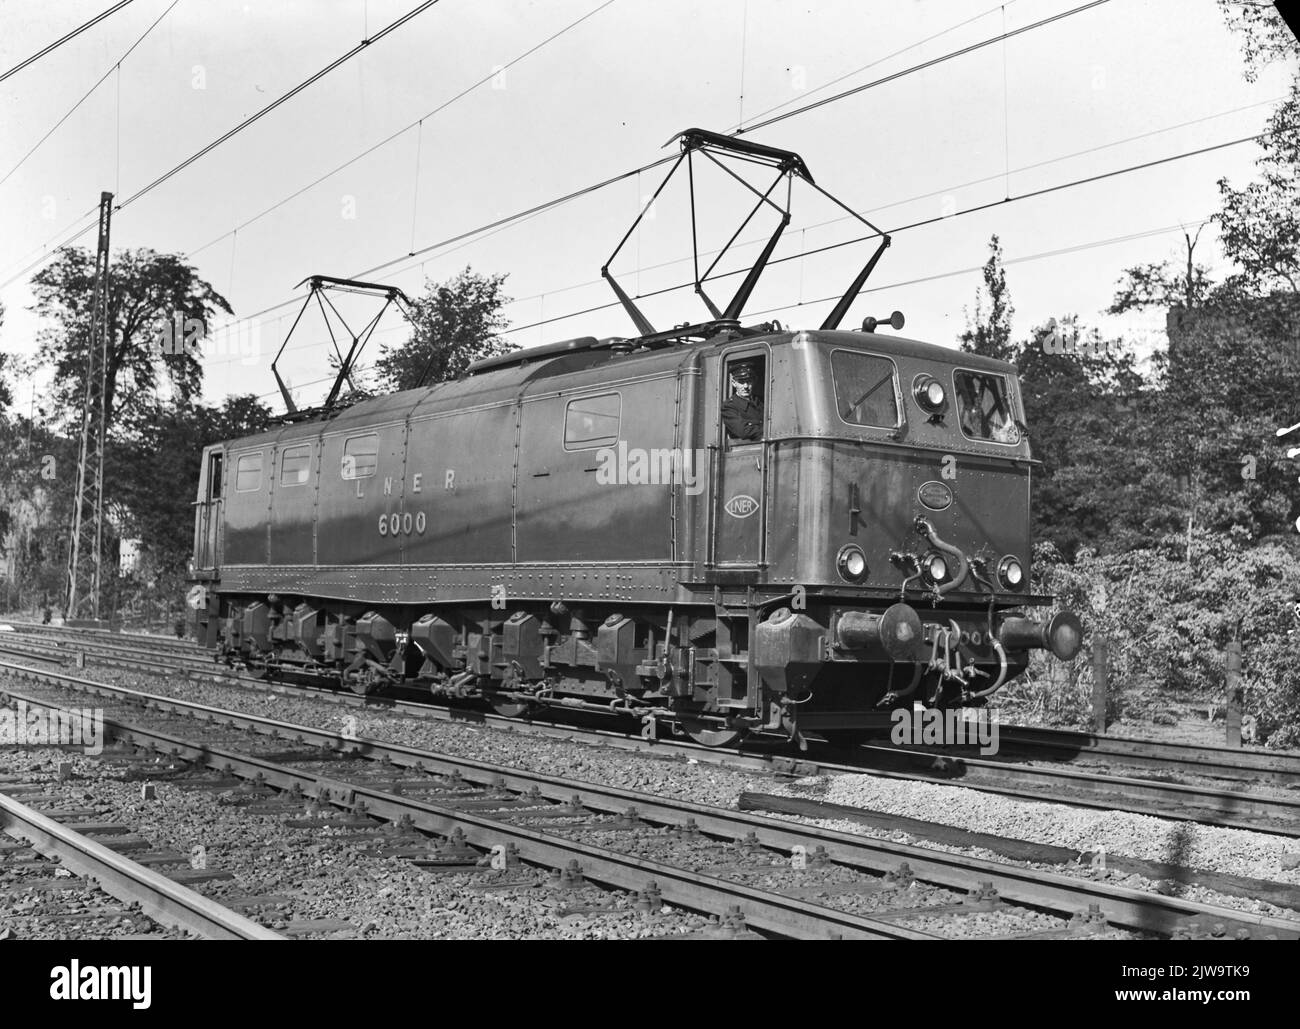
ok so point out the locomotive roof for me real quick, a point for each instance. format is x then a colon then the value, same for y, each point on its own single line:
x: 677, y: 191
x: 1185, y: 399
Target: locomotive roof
x: 491, y: 385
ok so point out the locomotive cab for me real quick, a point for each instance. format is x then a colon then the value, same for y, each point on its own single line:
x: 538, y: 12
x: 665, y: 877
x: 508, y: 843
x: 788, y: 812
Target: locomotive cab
x: 887, y: 502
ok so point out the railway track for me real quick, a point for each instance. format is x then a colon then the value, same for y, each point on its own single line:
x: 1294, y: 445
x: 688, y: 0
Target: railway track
x: 1225, y: 803
x: 1016, y: 742
x: 732, y: 863
x: 73, y: 849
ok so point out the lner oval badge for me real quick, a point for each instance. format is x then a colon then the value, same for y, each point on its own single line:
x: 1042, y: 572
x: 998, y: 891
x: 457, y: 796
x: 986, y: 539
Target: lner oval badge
x: 934, y: 495
x: 741, y: 506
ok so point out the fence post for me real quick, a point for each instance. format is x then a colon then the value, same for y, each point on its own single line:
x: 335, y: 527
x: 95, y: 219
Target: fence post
x: 1232, y: 686
x: 1100, y: 672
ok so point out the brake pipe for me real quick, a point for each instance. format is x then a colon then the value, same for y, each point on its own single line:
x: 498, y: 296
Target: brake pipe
x: 925, y: 529
x: 1002, y: 673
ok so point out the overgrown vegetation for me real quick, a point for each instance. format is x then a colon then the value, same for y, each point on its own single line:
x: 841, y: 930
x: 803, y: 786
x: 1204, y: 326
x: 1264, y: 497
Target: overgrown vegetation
x: 1165, y: 505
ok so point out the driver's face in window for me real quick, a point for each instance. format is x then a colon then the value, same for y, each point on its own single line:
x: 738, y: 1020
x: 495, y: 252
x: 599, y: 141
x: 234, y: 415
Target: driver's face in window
x: 745, y: 376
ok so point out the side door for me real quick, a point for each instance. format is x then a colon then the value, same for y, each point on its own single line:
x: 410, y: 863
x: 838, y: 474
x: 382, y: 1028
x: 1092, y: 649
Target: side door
x: 739, y: 505
x: 207, y: 556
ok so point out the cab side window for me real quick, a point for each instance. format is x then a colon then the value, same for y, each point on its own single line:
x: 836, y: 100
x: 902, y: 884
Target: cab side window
x: 295, y: 465
x: 744, y: 384
x: 592, y: 422
x: 248, y: 473
x: 360, y: 456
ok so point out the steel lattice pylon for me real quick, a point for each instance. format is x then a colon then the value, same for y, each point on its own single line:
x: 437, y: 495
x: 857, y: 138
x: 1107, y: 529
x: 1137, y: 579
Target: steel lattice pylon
x: 84, y: 551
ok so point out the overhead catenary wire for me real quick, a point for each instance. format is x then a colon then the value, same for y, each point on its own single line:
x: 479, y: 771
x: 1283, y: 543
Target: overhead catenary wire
x: 911, y: 70
x: 1031, y: 194
x: 614, y: 179
x: 59, y: 42
x: 407, y: 128
x: 903, y: 283
x: 284, y: 98
x: 804, y: 254
x: 504, y: 223
x: 116, y: 65
x: 250, y: 120
x: 875, y: 211
x: 877, y: 61
x: 576, y: 194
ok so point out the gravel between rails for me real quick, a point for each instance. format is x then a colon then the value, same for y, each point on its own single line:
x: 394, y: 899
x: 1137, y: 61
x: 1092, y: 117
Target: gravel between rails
x: 1235, y: 851
x: 703, y: 782
x: 39, y: 916
x: 383, y: 897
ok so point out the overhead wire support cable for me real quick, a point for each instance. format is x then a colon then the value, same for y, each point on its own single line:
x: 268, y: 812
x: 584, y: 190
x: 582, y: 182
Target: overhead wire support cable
x: 86, y: 96
x: 392, y: 27
x: 257, y: 115
x: 59, y: 42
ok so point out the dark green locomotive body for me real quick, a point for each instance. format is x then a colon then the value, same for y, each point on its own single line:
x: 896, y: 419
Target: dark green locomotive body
x: 584, y: 524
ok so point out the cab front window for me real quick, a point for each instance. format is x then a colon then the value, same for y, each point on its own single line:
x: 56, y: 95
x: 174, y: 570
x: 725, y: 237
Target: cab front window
x: 984, y: 407
x: 865, y: 389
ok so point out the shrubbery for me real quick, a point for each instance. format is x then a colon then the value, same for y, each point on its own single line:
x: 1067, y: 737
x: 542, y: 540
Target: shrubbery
x: 1168, y: 612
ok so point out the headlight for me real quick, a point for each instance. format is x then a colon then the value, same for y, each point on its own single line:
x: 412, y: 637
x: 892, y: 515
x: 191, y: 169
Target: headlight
x: 935, y: 568
x: 929, y: 393
x: 851, y: 563
x: 1010, y: 573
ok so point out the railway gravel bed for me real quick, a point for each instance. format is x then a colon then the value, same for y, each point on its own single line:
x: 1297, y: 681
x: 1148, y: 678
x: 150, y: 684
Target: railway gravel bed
x: 1085, y: 831
x: 40, y: 899
x: 1185, y: 793
x: 666, y: 778
x: 298, y: 868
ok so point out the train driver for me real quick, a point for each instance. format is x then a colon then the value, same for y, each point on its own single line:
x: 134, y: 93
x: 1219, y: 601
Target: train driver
x: 742, y: 411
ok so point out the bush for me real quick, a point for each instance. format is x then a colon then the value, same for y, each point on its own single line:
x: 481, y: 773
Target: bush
x: 1168, y: 612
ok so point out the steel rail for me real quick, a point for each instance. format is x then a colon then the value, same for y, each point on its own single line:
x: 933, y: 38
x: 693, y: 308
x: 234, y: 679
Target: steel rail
x: 1122, y: 906
x: 1212, y: 760
x: 1200, y: 804
x: 685, y: 887
x: 164, y: 901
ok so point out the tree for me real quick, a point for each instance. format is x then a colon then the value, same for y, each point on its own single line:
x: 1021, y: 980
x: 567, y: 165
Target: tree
x: 170, y: 449
x: 1161, y: 285
x: 455, y: 324
x: 1084, y: 408
x: 1260, y: 224
x: 991, y: 335
x: 154, y: 299
x: 6, y: 395
x: 1265, y: 37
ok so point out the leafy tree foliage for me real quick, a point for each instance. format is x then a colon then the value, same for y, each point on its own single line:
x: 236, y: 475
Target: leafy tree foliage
x: 456, y: 323
x: 1167, y: 621
x: 169, y: 449
x: 149, y: 295
x: 1260, y: 223
x: 1162, y: 285
x: 988, y: 332
x: 6, y: 393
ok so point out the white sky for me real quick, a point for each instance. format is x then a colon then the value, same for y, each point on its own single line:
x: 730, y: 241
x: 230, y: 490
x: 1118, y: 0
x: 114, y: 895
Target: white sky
x: 602, y: 99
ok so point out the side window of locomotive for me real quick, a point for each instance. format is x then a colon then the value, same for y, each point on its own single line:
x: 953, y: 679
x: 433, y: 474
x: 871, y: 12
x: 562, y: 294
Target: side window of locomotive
x: 744, y: 385
x: 984, y: 408
x: 295, y: 465
x: 248, y: 473
x: 591, y: 422
x: 865, y: 389
x: 360, y: 456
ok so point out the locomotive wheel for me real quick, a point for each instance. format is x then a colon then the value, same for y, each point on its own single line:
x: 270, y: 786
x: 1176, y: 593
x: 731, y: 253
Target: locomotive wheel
x: 364, y: 682
x: 508, y: 708
x: 710, y: 734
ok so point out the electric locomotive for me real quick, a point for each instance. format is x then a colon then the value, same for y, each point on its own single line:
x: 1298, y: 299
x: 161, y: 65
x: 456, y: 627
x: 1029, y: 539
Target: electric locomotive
x: 721, y: 528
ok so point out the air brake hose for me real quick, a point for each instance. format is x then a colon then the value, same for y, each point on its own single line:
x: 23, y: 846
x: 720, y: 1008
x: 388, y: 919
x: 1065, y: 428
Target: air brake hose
x: 1002, y: 672
x: 924, y: 528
